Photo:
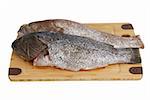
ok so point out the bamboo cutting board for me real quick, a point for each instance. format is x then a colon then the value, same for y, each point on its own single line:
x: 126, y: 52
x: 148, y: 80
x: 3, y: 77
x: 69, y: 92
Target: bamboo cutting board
x: 21, y: 70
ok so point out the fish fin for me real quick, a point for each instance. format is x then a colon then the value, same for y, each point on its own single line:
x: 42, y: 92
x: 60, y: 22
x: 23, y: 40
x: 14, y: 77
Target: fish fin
x: 130, y: 42
x: 129, y: 55
x: 42, y: 60
x: 137, y: 42
x: 140, y: 41
x: 135, y: 56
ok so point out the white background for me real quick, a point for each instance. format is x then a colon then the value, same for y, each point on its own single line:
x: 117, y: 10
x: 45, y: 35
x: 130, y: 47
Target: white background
x: 14, y: 13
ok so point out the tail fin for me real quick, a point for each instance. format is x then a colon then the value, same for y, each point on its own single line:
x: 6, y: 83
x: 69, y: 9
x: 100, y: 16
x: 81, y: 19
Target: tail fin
x: 139, y: 41
x: 131, y: 42
x: 129, y: 55
x: 135, y: 58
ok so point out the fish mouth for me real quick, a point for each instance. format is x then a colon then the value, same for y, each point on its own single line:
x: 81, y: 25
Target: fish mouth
x: 15, y: 44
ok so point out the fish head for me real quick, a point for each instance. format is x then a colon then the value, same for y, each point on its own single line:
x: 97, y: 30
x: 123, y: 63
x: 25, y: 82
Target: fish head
x: 28, y: 46
x: 24, y: 29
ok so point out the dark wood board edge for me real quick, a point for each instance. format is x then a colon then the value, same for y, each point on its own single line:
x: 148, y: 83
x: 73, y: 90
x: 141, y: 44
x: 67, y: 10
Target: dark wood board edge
x: 127, y: 26
x: 14, y: 71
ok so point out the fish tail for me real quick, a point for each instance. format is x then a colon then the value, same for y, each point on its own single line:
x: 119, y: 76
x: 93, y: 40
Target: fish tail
x: 135, y: 57
x: 139, y: 41
x: 129, y: 55
x: 127, y: 41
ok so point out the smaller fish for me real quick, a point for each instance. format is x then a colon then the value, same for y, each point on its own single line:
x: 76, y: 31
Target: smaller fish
x: 70, y: 52
x: 74, y: 28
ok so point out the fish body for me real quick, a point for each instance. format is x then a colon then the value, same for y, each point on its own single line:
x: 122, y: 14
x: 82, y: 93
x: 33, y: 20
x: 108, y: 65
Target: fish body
x: 74, y: 28
x: 70, y: 52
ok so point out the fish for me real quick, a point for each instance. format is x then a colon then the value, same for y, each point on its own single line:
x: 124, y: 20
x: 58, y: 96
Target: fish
x: 75, y: 28
x: 71, y: 52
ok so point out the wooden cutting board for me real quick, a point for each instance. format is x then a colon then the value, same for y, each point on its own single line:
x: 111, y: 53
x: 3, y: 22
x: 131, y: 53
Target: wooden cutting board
x: 21, y: 70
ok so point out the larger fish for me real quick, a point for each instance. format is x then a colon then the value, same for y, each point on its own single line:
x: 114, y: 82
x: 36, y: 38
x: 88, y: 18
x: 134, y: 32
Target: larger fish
x: 74, y: 28
x: 70, y: 52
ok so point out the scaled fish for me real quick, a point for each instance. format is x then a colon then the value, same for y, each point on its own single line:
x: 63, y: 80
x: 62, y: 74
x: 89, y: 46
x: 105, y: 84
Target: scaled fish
x: 70, y: 52
x: 74, y: 28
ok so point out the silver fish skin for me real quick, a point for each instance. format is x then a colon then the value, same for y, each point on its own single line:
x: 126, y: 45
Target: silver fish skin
x: 71, y: 52
x: 74, y: 28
